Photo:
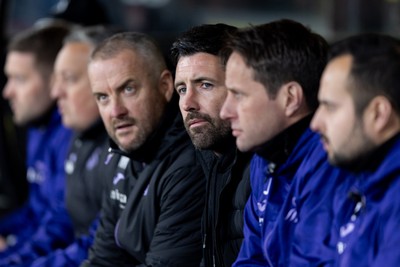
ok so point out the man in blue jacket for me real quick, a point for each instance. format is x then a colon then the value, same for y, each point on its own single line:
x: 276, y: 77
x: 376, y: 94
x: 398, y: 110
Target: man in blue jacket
x: 272, y: 76
x: 88, y: 161
x: 359, y: 123
x: 29, y: 66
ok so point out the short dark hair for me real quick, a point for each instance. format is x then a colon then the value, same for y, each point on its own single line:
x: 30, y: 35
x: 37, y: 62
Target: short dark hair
x: 206, y: 38
x: 44, y: 42
x: 375, y: 68
x: 283, y: 51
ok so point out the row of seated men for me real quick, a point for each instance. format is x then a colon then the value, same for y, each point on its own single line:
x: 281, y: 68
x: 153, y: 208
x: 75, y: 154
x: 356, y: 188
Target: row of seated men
x: 264, y: 146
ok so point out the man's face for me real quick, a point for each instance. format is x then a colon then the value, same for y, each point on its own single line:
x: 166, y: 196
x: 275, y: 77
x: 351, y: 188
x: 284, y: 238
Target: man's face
x: 71, y: 87
x: 27, y: 90
x: 342, y: 131
x: 255, y: 117
x: 130, y: 98
x: 200, y: 83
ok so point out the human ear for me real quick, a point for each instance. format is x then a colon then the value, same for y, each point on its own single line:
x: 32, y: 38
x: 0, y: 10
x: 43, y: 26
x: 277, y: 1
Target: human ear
x: 294, y: 98
x: 378, y: 114
x: 166, y: 84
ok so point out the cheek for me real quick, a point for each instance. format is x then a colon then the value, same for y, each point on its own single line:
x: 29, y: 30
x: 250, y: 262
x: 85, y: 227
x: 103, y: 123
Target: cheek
x: 181, y: 103
x: 253, y: 111
x: 339, y: 129
x: 213, y: 108
x: 76, y: 99
x: 104, y: 114
x: 31, y: 90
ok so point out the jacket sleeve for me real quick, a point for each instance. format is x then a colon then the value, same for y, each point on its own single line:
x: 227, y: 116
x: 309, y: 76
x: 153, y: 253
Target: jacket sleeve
x: 55, y: 228
x: 251, y: 251
x: 387, y: 241
x: 73, y: 255
x: 177, y: 236
x: 15, y: 220
x: 105, y: 251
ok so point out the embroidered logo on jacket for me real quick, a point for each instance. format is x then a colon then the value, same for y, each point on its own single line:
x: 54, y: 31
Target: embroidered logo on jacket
x: 349, y: 227
x: 292, y: 213
x: 116, y: 195
x: 93, y: 161
x: 118, y: 177
x: 36, y: 174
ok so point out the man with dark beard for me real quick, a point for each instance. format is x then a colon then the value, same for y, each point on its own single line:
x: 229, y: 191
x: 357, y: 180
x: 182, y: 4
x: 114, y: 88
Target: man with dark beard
x: 200, y: 83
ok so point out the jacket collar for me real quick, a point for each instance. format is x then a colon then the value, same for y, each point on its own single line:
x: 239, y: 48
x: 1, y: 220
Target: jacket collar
x: 278, y: 149
x: 379, y: 168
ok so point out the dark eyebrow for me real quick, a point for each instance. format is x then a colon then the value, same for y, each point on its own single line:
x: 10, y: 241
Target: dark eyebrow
x: 196, y: 80
x: 324, y: 102
x: 233, y: 90
x: 200, y: 79
x: 123, y: 85
x: 178, y: 83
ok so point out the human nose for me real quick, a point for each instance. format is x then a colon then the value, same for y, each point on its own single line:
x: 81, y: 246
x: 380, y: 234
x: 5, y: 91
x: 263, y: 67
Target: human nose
x: 315, y: 124
x: 228, y: 109
x: 118, y: 108
x: 7, y: 90
x: 56, y: 88
x: 189, y: 101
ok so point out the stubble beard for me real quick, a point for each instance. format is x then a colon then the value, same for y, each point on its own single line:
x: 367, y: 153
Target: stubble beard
x: 138, y: 137
x: 353, y: 159
x: 211, y: 136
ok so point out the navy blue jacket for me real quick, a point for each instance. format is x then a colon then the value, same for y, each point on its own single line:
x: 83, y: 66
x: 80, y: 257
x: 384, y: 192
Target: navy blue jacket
x: 88, y: 164
x: 301, y: 236
x: 270, y: 183
x: 32, y: 225
x: 367, y: 215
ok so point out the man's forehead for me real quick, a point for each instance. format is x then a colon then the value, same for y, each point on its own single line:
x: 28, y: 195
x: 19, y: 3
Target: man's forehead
x: 21, y: 56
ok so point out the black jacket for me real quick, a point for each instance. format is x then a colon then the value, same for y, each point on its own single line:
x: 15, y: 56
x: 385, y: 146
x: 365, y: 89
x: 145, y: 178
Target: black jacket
x: 152, y: 213
x: 228, y: 188
x: 88, y: 163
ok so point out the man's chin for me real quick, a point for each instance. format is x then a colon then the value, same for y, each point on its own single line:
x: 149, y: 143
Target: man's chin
x: 243, y: 147
x: 346, y: 164
x: 123, y: 145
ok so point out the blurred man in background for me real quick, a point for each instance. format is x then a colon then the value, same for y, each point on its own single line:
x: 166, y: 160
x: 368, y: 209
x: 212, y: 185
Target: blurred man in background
x: 88, y: 160
x: 29, y: 69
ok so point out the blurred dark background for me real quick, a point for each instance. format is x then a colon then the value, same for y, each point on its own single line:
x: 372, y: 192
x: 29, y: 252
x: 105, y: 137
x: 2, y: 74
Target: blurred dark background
x: 164, y: 20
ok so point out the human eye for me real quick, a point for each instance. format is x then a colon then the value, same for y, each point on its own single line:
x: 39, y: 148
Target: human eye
x: 129, y: 90
x: 328, y: 106
x: 69, y: 78
x: 207, y: 85
x: 181, y: 90
x: 237, y: 95
x: 101, y: 98
x: 19, y: 78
